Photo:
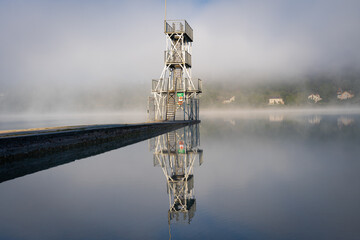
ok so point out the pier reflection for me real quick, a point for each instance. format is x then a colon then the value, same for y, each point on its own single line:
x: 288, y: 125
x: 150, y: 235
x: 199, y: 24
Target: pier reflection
x: 177, y: 153
x: 42, y: 160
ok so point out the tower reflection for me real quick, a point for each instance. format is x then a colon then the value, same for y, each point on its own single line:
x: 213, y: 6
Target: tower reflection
x: 176, y: 153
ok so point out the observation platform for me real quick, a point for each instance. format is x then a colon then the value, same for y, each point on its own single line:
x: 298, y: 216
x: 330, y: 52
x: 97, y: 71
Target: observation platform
x: 177, y: 58
x: 175, y: 27
x: 185, y: 87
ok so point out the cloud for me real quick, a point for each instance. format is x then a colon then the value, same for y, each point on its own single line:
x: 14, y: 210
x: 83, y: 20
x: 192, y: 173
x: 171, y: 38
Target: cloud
x: 86, y: 42
x: 77, y: 45
x: 66, y: 43
x: 276, y: 39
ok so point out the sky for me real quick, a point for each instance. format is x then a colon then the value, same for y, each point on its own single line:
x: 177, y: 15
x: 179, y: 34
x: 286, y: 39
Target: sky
x: 70, y: 45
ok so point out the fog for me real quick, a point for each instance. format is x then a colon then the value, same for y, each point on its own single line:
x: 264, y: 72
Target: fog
x: 55, y: 52
x: 287, y: 40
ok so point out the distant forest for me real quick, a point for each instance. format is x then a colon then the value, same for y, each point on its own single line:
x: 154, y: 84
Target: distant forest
x: 293, y: 93
x: 134, y: 97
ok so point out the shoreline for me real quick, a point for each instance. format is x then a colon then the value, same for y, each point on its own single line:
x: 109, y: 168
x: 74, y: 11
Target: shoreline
x: 285, y: 110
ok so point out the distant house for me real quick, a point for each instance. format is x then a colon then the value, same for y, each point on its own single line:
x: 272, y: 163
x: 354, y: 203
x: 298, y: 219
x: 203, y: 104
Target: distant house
x: 276, y: 100
x: 343, y: 95
x: 232, y: 99
x: 315, y: 97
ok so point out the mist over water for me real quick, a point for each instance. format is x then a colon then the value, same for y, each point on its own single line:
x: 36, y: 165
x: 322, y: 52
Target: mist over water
x: 285, y: 174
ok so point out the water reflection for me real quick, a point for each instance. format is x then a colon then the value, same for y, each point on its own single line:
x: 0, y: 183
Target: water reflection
x: 262, y: 180
x: 230, y: 121
x: 297, y: 179
x: 176, y: 153
x: 42, y: 160
x: 344, y: 121
x: 276, y: 117
x: 314, y: 120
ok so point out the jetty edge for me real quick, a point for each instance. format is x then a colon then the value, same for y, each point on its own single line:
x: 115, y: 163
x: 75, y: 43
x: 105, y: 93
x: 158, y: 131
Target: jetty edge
x: 17, y: 144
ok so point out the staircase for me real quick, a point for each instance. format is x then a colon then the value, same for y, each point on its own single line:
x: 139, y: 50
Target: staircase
x: 171, y: 141
x: 171, y: 107
x: 171, y: 137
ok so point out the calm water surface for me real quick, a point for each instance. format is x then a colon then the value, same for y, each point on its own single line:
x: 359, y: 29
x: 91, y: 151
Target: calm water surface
x: 253, y: 176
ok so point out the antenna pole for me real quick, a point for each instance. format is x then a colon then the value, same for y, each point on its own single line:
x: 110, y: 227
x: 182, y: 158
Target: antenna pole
x: 165, y: 10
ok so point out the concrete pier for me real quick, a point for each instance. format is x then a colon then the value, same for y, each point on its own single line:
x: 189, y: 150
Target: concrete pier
x: 30, y: 142
x: 28, y: 151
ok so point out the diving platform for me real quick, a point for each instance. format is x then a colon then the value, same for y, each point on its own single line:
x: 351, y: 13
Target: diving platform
x: 175, y: 27
x: 185, y: 87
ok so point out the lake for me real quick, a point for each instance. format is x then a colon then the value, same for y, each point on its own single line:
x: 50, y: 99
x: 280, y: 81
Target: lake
x: 238, y: 175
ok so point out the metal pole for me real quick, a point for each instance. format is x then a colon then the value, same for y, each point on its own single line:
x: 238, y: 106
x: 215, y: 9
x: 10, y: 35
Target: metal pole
x: 165, y: 19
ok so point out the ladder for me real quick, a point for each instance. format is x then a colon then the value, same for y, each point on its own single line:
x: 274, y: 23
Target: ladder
x: 170, y: 107
x: 171, y: 141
